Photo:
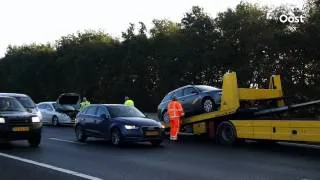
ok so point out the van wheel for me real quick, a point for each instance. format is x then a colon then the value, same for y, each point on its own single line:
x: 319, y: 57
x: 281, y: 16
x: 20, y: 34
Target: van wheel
x: 55, y: 121
x: 226, y: 133
x: 35, y: 140
x: 80, y: 134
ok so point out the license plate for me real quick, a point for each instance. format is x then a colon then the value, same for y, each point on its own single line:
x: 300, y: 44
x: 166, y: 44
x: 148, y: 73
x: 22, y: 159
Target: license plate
x: 19, y: 129
x: 152, y: 133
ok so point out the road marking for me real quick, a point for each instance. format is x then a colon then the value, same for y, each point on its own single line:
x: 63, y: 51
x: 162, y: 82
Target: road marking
x: 85, y: 176
x: 300, y: 145
x: 63, y: 140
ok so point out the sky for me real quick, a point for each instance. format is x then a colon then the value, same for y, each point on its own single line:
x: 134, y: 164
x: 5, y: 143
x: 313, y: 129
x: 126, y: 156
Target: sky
x: 42, y: 21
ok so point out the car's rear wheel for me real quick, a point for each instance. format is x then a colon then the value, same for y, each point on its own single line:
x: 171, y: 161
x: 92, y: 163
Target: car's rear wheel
x: 207, y: 105
x: 116, y: 137
x: 156, y: 142
x: 55, y: 121
x: 80, y: 134
x: 35, y: 140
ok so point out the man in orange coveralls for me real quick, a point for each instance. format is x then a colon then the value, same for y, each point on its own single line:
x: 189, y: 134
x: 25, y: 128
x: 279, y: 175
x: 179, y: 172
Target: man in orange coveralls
x: 175, y: 112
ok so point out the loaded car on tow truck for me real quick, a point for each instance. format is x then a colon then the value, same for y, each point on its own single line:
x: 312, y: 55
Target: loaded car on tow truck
x: 16, y: 123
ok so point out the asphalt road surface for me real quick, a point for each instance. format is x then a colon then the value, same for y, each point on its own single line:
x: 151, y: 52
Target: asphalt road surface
x: 59, y: 157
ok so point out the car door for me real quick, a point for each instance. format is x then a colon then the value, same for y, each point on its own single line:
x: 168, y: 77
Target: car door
x: 103, y: 121
x: 89, y: 120
x: 189, y: 95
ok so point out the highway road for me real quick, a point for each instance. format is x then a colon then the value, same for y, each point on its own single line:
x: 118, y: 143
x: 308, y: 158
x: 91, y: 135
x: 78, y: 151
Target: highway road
x: 59, y: 157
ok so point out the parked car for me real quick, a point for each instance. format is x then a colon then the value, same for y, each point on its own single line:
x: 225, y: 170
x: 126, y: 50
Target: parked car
x: 16, y: 123
x: 54, y: 114
x: 118, y: 123
x: 194, y: 99
x: 26, y: 102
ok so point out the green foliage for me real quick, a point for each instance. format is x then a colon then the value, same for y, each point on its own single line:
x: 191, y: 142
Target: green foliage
x: 197, y: 50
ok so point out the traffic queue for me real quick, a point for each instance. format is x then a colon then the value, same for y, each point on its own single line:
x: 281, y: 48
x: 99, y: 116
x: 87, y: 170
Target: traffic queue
x: 22, y: 119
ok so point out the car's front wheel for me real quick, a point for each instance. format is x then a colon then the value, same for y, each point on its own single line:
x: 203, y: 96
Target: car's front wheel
x: 80, y: 134
x: 116, y: 137
x: 55, y: 121
x: 35, y: 140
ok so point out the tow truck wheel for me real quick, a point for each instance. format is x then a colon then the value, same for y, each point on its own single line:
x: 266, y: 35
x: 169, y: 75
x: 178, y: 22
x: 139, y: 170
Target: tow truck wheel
x: 226, y: 133
x: 35, y: 140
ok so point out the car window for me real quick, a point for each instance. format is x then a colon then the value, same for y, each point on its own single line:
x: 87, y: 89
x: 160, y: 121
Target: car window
x: 178, y: 93
x: 26, y: 102
x: 188, y: 91
x: 124, y: 111
x: 41, y: 106
x: 101, y: 110
x: 91, y: 110
x: 207, y: 88
x: 167, y: 97
x: 48, y: 107
x: 11, y: 104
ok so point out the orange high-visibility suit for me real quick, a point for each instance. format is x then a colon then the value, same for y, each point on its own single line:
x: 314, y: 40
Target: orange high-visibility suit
x: 175, y: 111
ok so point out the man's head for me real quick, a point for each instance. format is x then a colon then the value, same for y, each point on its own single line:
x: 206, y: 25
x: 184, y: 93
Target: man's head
x: 84, y: 99
x: 126, y: 98
x: 173, y: 98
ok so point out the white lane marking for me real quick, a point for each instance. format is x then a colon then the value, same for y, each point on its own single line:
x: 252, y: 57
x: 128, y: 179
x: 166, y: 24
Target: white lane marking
x: 301, y: 145
x: 51, y: 167
x: 63, y: 140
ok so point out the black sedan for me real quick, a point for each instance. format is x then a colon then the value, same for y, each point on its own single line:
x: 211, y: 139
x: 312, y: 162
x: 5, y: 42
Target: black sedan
x: 16, y: 123
x: 118, y: 123
x: 195, y: 99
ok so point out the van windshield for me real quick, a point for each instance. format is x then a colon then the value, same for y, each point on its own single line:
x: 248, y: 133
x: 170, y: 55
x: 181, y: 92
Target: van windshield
x: 10, y: 104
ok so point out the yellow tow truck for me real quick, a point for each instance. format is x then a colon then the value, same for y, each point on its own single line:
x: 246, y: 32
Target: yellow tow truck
x: 238, y: 118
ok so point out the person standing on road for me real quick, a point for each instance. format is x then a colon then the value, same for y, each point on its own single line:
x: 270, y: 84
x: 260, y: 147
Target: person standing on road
x: 84, y: 103
x: 128, y: 101
x: 175, y: 112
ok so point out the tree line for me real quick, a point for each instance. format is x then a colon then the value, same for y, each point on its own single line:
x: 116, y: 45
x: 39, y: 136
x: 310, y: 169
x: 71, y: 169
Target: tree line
x: 148, y: 63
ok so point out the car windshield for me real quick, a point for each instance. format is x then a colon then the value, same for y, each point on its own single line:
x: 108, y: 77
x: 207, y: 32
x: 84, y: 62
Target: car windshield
x: 124, y: 111
x: 56, y: 106
x: 207, y: 88
x: 26, y: 102
x: 10, y: 104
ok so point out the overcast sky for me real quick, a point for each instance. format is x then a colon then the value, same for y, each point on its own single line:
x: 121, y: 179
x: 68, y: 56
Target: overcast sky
x: 41, y: 21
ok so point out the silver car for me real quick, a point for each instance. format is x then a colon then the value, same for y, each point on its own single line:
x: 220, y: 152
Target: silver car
x: 54, y: 114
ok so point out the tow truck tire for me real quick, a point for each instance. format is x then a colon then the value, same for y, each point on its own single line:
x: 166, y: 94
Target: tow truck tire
x: 35, y: 140
x: 226, y: 133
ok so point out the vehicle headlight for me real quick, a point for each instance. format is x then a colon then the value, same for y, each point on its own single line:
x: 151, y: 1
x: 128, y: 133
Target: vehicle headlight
x: 162, y: 126
x: 35, y: 119
x: 130, y: 127
x: 2, y: 120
